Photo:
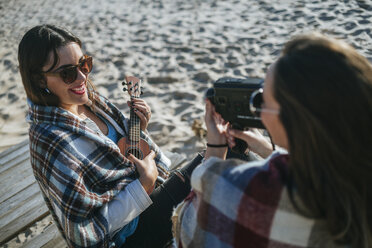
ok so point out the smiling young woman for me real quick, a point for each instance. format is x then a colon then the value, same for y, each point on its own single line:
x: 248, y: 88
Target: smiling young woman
x: 97, y: 196
x: 73, y: 94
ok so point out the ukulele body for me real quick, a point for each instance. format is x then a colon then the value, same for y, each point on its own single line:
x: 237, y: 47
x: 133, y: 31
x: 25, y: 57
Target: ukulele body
x: 139, y: 149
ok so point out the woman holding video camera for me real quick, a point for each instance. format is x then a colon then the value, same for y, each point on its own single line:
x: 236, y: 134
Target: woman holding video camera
x: 317, y: 104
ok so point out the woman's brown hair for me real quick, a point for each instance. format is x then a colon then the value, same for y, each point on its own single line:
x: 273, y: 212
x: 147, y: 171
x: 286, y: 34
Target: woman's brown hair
x: 33, y: 53
x: 324, y: 88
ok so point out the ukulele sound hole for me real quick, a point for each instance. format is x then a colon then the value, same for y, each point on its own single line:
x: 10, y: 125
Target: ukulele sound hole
x: 137, y: 153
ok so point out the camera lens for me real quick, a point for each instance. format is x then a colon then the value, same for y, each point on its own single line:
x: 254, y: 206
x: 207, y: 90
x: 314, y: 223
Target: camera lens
x: 256, y: 102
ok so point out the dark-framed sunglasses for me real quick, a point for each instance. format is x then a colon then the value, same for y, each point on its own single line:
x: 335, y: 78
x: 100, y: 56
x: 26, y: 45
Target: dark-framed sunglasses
x: 255, y: 104
x: 69, y: 73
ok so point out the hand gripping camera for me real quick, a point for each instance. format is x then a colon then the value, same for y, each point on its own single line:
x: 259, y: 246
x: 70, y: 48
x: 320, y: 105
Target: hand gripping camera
x: 233, y: 99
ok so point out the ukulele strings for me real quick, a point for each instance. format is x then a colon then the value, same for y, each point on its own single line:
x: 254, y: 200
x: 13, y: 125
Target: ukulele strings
x: 135, y: 132
x: 136, y: 135
x: 137, y: 126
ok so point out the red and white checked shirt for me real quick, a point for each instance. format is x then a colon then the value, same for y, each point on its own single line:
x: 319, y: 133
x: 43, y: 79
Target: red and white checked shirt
x: 240, y: 204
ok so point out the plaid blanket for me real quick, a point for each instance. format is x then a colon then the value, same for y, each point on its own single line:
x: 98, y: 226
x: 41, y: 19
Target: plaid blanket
x: 240, y: 204
x: 79, y: 169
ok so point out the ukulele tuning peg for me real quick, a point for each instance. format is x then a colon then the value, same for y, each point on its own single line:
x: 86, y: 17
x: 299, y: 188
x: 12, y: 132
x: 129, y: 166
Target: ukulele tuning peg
x: 125, y: 89
x: 123, y: 83
x: 130, y: 82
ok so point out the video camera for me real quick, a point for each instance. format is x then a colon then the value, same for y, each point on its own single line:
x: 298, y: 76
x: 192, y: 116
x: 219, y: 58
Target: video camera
x: 231, y: 98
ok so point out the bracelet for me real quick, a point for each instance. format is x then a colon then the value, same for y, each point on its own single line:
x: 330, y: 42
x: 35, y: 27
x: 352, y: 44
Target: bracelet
x: 214, y: 145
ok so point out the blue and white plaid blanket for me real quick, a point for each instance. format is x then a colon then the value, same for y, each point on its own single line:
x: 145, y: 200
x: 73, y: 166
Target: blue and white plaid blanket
x: 79, y: 169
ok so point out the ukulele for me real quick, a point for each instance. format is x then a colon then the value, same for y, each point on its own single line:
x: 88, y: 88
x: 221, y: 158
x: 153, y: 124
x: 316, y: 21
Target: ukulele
x: 134, y: 144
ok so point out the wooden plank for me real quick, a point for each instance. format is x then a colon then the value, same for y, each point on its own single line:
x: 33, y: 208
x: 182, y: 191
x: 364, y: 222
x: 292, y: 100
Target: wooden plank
x: 14, y: 206
x: 23, y: 217
x: 16, y: 172
x: 49, y: 238
x: 13, y: 149
x: 13, y: 152
x: 56, y: 243
x: 34, y: 201
x: 8, y: 165
x: 12, y: 203
x: 28, y: 212
x: 16, y: 183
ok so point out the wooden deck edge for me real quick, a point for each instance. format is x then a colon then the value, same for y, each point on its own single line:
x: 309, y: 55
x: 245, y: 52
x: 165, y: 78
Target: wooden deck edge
x: 13, y: 148
x: 23, y: 229
x: 50, y: 237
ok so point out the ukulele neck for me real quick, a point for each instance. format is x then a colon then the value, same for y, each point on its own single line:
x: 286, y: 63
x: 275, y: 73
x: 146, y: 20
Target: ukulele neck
x: 134, y: 126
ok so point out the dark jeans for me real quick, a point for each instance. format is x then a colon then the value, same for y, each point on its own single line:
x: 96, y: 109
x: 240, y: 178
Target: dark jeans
x: 155, y: 226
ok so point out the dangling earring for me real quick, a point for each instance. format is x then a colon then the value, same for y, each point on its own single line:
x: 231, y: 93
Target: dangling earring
x: 47, y: 90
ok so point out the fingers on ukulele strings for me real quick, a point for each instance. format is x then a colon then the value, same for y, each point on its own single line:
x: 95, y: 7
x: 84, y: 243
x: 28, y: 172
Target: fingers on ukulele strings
x: 132, y: 158
x: 140, y: 106
x: 141, y: 115
x: 144, y: 110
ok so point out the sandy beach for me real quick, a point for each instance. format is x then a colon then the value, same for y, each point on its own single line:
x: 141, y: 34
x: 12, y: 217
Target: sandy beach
x: 179, y: 48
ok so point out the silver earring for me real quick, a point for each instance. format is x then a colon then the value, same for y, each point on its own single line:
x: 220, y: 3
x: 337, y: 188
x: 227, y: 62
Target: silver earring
x: 47, y: 90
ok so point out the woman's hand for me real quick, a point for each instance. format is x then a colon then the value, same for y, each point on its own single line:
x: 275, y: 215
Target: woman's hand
x: 142, y: 110
x: 255, y: 140
x: 216, y: 131
x: 147, y: 171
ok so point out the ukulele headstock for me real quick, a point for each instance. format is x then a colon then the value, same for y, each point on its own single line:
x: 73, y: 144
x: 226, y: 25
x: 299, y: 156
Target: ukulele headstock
x: 133, y: 85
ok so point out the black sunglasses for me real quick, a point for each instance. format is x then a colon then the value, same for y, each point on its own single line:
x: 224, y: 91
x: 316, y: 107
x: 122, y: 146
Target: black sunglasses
x: 69, y: 74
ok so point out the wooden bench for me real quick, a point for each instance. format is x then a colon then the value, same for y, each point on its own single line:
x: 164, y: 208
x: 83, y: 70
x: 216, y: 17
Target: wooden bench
x: 21, y: 202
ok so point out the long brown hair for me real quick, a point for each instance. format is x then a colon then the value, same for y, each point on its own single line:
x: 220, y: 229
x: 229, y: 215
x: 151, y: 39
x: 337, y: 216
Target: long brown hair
x: 33, y: 53
x: 324, y: 88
